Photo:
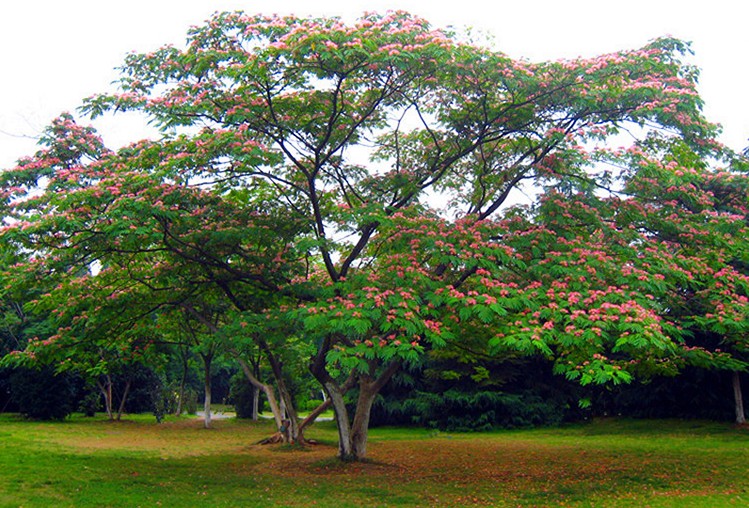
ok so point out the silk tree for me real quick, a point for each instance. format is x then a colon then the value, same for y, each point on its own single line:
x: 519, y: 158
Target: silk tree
x: 327, y: 145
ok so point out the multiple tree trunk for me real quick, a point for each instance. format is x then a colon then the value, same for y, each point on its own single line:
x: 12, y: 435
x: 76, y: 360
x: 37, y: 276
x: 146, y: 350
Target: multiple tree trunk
x: 105, y: 386
x: 352, y: 433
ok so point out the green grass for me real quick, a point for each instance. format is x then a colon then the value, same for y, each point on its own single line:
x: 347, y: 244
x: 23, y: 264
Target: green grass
x: 92, y: 462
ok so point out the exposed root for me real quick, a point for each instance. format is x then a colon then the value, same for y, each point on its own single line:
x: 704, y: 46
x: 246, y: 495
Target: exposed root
x: 278, y: 438
x: 274, y: 439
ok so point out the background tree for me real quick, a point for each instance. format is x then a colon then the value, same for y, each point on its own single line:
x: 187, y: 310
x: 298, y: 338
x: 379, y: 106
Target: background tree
x: 694, y: 220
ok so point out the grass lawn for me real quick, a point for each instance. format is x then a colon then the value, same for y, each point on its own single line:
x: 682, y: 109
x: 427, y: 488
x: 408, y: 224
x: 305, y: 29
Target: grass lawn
x: 92, y: 462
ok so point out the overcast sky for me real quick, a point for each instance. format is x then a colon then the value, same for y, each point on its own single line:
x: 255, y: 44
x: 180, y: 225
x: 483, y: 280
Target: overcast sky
x: 55, y: 52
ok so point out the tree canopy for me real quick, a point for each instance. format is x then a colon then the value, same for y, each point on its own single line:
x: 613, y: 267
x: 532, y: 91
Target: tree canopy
x: 352, y: 185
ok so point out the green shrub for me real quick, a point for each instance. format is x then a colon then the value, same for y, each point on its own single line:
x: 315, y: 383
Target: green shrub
x: 90, y: 403
x: 309, y: 404
x: 190, y: 401
x: 43, y: 395
x: 6, y: 399
x: 455, y: 410
x: 145, y: 388
x: 242, y: 396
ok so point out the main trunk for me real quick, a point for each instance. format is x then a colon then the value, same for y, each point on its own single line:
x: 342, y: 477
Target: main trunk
x: 182, y: 383
x: 353, y: 434
x: 738, y: 399
x: 360, y: 425
x: 335, y: 394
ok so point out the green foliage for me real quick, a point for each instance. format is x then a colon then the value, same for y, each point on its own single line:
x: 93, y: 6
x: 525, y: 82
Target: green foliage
x: 190, y: 402
x: 90, y: 402
x: 696, y: 393
x: 147, y: 391
x: 477, y: 410
x: 42, y: 394
x: 309, y: 404
x: 242, y: 396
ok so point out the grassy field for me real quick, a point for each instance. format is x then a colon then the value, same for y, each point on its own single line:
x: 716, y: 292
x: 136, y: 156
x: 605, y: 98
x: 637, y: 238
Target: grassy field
x: 92, y: 462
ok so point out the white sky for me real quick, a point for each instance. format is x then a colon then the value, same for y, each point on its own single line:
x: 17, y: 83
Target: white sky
x: 55, y: 52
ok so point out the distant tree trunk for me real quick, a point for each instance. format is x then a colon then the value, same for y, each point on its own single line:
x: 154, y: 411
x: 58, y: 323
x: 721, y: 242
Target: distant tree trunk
x: 738, y: 398
x: 256, y: 389
x: 207, y: 406
x: 207, y: 360
x: 255, y: 403
x: 255, y: 411
x: 121, y: 408
x: 105, y: 387
x: 266, y: 389
x: 295, y: 431
x: 288, y: 404
x: 291, y: 434
x: 182, y: 382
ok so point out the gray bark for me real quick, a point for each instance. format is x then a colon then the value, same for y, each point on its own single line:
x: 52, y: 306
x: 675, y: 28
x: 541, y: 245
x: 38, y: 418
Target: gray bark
x: 738, y: 399
x: 335, y: 395
x: 353, y: 435
x: 267, y: 390
x: 106, y: 391
x: 182, y: 383
x: 255, y: 403
x: 207, y: 403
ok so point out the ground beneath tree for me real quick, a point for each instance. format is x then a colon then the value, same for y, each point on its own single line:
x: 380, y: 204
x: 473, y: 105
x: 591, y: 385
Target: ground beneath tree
x: 487, y: 470
x: 602, y: 464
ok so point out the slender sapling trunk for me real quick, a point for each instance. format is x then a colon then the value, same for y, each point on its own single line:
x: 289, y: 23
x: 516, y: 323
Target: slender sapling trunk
x: 207, y: 402
x: 738, y: 399
x: 105, y: 388
x: 121, y: 408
